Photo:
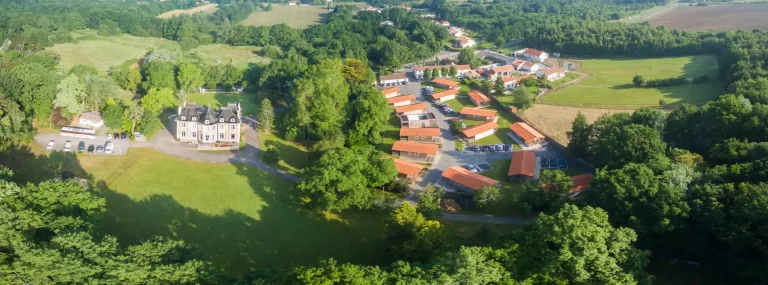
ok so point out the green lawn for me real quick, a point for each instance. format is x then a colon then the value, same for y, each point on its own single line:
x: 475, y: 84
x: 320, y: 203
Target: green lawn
x: 240, y: 56
x: 103, y: 52
x: 239, y: 216
x: 293, y: 16
x: 469, y: 234
x: 294, y: 156
x: 391, y: 134
x: 611, y: 83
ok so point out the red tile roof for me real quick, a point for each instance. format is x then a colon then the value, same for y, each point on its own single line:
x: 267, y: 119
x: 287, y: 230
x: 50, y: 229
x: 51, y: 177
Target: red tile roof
x: 509, y: 79
x: 463, y: 39
x: 406, y: 146
x: 522, y: 163
x: 518, y: 62
x: 553, y: 70
x: 412, y: 107
x: 402, y: 98
x: 532, y: 52
x: 445, y: 93
x: 528, y: 64
x: 580, y: 182
x: 408, y: 132
x: 478, y: 96
x: 503, y: 68
x: 408, y: 168
x: 458, y: 67
x: 467, y: 178
x: 476, y: 129
x: 526, y: 132
x: 478, y: 112
x: 445, y: 82
x: 390, y: 90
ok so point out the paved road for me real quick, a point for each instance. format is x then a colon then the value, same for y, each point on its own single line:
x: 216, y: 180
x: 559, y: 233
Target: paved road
x: 486, y: 219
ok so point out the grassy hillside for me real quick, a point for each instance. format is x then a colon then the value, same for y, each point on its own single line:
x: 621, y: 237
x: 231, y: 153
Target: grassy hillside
x: 103, y: 52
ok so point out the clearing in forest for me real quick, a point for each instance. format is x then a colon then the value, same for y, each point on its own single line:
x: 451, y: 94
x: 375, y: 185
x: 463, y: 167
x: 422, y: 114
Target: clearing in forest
x: 293, y: 16
x: 610, y: 85
x: 103, y: 52
x: 555, y: 121
x: 209, y: 8
x: 717, y: 17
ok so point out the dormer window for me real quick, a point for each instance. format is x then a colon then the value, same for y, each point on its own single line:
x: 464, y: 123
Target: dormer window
x: 194, y: 118
x: 221, y: 120
x: 207, y: 121
x: 232, y: 120
x: 183, y: 117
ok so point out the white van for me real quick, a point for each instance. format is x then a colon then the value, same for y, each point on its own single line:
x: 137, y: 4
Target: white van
x: 68, y: 146
x: 109, y: 148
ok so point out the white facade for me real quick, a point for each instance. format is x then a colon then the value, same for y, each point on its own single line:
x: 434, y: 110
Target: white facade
x: 484, y: 134
x: 403, y: 103
x: 446, y: 98
x: 207, y: 126
x: 391, y: 94
x: 550, y: 74
x: 461, y: 70
x: 91, y: 119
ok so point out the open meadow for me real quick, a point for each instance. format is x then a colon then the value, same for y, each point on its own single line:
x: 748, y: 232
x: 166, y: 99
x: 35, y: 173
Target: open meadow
x: 555, y: 121
x: 610, y: 84
x: 293, y: 16
x: 715, y: 17
x: 207, y: 8
x: 103, y: 52
x: 240, y: 56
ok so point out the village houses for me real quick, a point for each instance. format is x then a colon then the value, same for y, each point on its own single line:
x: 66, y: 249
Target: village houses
x: 551, y: 74
x: 415, y: 151
x: 393, y: 79
x: 464, y: 42
x: 468, y: 181
x: 413, y: 109
x: 461, y: 69
x: 423, y: 135
x: 533, y: 54
x: 478, y: 98
x: 480, y: 131
x: 446, y: 95
x: 527, y: 134
x: 522, y: 167
x: 408, y: 170
x: 401, y: 100
x: 391, y: 92
x: 478, y: 114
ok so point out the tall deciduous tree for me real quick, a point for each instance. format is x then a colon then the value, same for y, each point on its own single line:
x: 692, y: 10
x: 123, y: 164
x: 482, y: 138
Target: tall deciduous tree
x: 630, y: 143
x: 467, y: 56
x: 158, y: 99
x: 159, y: 75
x: 498, y: 86
x: 127, y: 78
x: 97, y: 90
x: 522, y: 99
x: 149, y: 124
x: 452, y: 71
x: 369, y: 117
x: 133, y: 114
x: 69, y: 93
x: 579, y: 136
x: 487, y: 195
x: 113, y: 114
x: 190, y: 77
x: 428, y: 74
x: 14, y: 126
x: 266, y: 116
x: 412, y: 237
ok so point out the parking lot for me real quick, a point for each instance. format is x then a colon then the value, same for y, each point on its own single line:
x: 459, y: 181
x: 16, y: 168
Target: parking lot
x: 488, y: 148
x: 120, y: 146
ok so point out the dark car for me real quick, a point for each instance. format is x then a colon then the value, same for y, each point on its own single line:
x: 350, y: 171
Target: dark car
x: 507, y: 147
x: 499, y: 148
x: 545, y: 163
x: 123, y: 136
x: 562, y: 164
x: 492, y: 148
x: 477, y: 148
x: 484, y: 148
x: 90, y: 148
x: 116, y: 136
x: 553, y: 162
x: 81, y: 146
x: 99, y: 149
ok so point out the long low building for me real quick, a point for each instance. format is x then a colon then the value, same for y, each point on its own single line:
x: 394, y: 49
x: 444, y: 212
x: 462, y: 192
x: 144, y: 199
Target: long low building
x: 480, y: 131
x: 445, y: 95
x: 414, y: 151
x: 425, y: 120
x: 478, y: 114
x: 461, y: 69
x: 467, y: 180
x: 393, y: 79
x: 401, y: 100
x: 526, y: 133
x: 445, y: 83
x: 408, y: 170
x: 391, y: 92
x: 522, y: 166
x: 424, y: 135
x: 478, y: 98
x: 413, y: 109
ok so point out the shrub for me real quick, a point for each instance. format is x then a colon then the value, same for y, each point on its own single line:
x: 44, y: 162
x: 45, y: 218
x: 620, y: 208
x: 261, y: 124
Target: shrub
x: 272, y: 155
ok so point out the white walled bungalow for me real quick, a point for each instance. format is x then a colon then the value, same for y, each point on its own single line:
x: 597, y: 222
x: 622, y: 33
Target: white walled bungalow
x: 461, y: 69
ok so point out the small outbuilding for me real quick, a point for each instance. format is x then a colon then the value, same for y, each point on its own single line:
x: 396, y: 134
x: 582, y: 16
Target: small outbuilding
x: 91, y: 119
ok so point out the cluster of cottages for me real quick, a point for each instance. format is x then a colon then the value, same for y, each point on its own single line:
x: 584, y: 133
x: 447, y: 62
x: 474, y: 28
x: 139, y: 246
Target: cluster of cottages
x: 462, y: 41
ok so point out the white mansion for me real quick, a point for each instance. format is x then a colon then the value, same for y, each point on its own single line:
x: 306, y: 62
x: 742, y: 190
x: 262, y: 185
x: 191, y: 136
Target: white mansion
x: 199, y: 125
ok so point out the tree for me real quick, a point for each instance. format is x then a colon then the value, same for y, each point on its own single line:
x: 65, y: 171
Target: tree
x: 428, y: 74
x: 579, y: 136
x: 68, y: 95
x: 158, y: 75
x: 638, y: 80
x: 97, y: 91
x: 529, y: 81
x: 467, y: 56
x: 266, y: 116
x: 169, y: 52
x: 522, y: 99
x: 190, y: 77
x: 342, y: 178
x: 82, y: 71
x: 272, y: 155
x: 654, y: 118
x: 113, y: 114
x: 630, y: 143
x: 429, y: 201
x: 452, y: 71
x: 486, y: 85
x: 158, y: 99
x: 133, y: 114
x: 410, y: 236
x: 578, y: 246
x: 149, y: 124
x: 127, y: 78
x: 487, y: 195
x: 498, y: 86
x: 357, y: 72
x: 14, y: 126
x: 369, y: 117
x: 457, y: 126
x: 554, y: 184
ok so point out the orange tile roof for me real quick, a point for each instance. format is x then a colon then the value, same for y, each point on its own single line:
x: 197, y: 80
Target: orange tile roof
x: 532, y: 52
x: 390, y: 90
x: 476, y: 129
x: 478, y: 112
x: 518, y: 62
x: 407, y: 132
x: 522, y: 163
x: 467, y: 178
x: 504, y: 68
x: 427, y: 148
x: 526, y: 132
x: 445, y: 82
x: 478, y: 96
x: 445, y: 93
x: 402, y: 98
x: 412, y: 107
x: 580, y: 182
x: 553, y: 70
x: 528, y: 64
x: 408, y: 168
x: 463, y: 39
x: 393, y: 76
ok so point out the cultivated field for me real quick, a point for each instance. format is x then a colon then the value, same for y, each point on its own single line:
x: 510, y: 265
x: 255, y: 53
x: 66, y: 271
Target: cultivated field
x: 293, y: 16
x: 610, y: 85
x: 103, y: 52
x: 215, y: 54
x: 718, y: 17
x: 555, y: 121
x: 208, y: 8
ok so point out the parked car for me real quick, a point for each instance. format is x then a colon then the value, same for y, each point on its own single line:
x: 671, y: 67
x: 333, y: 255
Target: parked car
x: 545, y: 163
x: 51, y: 144
x: 81, y: 146
x: 68, y: 146
x: 484, y: 148
x: 507, y: 147
x: 472, y: 168
x: 90, y: 148
x: 553, y: 162
x: 562, y: 164
x: 109, y: 147
x: 492, y: 148
x: 499, y: 148
x: 123, y: 136
x: 99, y: 149
x: 477, y: 148
x: 109, y: 136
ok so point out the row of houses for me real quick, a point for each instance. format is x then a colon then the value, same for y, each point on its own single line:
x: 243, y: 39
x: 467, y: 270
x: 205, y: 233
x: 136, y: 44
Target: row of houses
x: 419, y: 132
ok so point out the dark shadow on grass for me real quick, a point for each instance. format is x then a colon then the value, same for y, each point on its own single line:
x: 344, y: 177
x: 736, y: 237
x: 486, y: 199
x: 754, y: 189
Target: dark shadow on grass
x: 28, y: 167
x: 624, y: 86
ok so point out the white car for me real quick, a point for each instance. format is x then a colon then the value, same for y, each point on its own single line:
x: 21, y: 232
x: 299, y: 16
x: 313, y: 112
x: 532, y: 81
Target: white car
x: 109, y: 136
x: 109, y: 147
x: 68, y: 146
x: 51, y: 144
x: 472, y: 168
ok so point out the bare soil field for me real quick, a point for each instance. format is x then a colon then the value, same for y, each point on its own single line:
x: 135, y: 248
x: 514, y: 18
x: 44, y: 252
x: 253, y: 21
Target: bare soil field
x: 720, y: 17
x: 555, y: 121
x: 209, y: 8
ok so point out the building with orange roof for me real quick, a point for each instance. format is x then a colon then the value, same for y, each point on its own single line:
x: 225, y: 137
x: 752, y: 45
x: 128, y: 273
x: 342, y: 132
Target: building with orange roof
x: 530, y: 53
x: 408, y: 170
x: 504, y: 70
x: 526, y: 133
x: 413, y: 109
x: 581, y: 182
x: 467, y: 180
x: 391, y: 92
x: 478, y: 114
x: 480, y: 131
x: 445, y: 83
x: 445, y: 95
x: 522, y: 166
x: 464, y: 42
x: 424, y: 135
x: 551, y: 74
x: 478, y: 98
x: 401, y: 100
x: 414, y: 151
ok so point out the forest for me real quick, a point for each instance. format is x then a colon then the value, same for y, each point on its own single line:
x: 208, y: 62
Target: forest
x: 687, y: 185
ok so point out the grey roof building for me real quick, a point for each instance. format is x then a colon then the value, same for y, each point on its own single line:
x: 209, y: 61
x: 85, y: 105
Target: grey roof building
x: 205, y: 125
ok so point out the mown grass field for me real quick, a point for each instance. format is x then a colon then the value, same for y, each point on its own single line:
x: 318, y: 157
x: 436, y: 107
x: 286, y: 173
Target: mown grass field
x: 208, y: 8
x: 610, y: 85
x: 240, y: 56
x: 293, y: 16
x: 103, y: 52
